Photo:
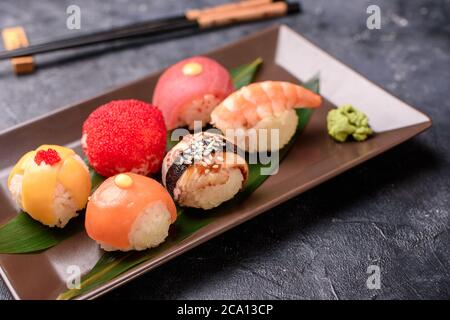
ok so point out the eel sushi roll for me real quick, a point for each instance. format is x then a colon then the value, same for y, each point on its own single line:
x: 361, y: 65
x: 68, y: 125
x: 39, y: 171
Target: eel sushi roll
x: 51, y: 184
x: 189, y: 90
x: 129, y: 212
x: 261, y: 116
x: 204, y: 170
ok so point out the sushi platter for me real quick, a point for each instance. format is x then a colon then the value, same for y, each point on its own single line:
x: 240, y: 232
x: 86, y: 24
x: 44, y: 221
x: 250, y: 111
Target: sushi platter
x: 97, y: 193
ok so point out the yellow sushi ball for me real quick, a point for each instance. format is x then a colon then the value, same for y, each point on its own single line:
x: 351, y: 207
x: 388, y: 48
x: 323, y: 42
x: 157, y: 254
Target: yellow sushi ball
x: 51, y: 184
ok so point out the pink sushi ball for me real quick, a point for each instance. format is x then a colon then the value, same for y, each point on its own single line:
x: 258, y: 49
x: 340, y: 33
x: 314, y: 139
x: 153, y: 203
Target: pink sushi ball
x: 189, y: 90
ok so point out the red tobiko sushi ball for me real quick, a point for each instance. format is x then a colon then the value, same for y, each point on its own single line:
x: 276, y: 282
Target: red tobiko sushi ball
x: 125, y: 136
x: 190, y: 89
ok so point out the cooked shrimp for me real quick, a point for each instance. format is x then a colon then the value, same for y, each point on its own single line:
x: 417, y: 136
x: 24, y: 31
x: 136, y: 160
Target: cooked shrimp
x: 265, y: 105
x: 251, y: 104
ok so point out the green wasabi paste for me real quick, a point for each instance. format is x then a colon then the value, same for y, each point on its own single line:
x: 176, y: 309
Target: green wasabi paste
x: 347, y: 121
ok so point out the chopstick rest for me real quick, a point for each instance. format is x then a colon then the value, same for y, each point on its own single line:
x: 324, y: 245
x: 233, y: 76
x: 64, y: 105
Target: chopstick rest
x: 14, y: 38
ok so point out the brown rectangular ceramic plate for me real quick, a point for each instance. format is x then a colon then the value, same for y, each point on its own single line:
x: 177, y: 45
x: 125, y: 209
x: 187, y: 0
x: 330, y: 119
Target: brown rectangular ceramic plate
x: 313, y: 159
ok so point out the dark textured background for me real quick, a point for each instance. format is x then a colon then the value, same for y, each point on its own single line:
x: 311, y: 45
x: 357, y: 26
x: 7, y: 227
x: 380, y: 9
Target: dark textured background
x: 392, y: 211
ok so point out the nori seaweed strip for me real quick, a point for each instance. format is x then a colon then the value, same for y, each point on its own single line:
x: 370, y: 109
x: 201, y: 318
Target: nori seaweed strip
x: 173, y: 174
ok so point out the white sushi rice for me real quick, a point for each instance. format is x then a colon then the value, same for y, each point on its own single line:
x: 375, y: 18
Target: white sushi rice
x: 15, y: 187
x: 64, y: 206
x: 84, y: 140
x: 149, y: 230
x: 260, y: 137
x: 198, y: 110
x: 210, y: 190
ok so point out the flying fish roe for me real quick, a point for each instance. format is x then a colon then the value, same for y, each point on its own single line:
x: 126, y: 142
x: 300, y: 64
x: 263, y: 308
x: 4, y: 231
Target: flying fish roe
x: 125, y: 136
x: 49, y: 156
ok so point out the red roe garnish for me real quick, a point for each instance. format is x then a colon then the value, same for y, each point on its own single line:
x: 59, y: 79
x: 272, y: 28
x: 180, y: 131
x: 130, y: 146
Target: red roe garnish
x: 50, y: 157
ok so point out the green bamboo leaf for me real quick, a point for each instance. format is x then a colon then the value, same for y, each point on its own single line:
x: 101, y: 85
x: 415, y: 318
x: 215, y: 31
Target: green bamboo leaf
x: 23, y: 234
x: 244, y: 75
x: 112, y: 264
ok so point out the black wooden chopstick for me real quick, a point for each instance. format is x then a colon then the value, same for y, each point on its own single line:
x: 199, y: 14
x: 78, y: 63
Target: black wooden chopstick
x: 149, y: 28
x: 118, y: 33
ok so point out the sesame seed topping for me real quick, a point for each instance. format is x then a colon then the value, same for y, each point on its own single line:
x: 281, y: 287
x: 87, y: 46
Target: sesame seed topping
x: 201, y: 149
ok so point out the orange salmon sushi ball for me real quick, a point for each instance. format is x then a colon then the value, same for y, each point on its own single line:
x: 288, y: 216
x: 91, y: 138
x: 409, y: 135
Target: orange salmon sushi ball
x: 129, y: 212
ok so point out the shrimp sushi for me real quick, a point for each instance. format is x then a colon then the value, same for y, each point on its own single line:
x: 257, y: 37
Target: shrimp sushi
x: 189, y: 90
x: 204, y: 170
x: 129, y: 212
x: 261, y: 116
x: 51, y: 184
